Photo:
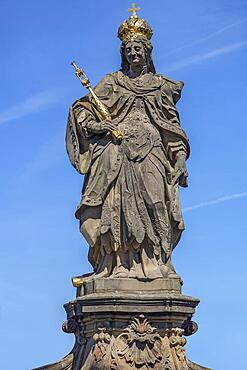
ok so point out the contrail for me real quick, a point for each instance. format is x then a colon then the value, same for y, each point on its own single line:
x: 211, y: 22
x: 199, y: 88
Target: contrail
x: 216, y: 201
x: 211, y: 54
x: 32, y: 104
x: 210, y: 36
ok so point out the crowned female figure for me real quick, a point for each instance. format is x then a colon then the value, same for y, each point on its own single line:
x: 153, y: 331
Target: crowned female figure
x: 130, y: 211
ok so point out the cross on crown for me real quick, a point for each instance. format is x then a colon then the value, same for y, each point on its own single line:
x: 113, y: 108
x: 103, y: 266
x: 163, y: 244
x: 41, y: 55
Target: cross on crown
x: 134, y: 9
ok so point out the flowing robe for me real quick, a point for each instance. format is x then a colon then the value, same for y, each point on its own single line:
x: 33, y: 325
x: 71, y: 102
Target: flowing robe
x: 129, y: 212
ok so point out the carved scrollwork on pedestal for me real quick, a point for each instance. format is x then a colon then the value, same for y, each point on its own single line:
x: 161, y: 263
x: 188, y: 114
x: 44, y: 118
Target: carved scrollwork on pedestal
x: 177, y: 343
x: 190, y: 327
x: 138, y: 347
x: 70, y: 326
x: 76, y: 327
x: 102, y: 342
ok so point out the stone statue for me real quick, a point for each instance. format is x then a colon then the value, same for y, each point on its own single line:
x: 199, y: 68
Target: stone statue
x: 125, y: 137
x: 130, y: 212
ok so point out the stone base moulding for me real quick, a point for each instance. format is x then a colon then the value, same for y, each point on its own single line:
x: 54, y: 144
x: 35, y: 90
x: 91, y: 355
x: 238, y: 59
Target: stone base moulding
x: 116, y: 286
x: 128, y: 332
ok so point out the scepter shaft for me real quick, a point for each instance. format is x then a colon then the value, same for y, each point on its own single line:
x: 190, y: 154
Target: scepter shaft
x: 102, y: 109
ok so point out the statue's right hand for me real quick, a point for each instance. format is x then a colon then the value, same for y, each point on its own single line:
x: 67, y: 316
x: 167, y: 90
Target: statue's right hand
x: 100, y: 127
x: 108, y: 125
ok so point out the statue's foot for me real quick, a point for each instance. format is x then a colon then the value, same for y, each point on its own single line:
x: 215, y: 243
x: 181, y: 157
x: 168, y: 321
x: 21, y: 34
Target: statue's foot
x: 77, y: 281
x: 164, y: 270
x: 120, y: 272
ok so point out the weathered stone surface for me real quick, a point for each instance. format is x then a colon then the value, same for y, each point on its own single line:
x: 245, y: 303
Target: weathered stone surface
x: 136, y: 345
x: 125, y: 137
x: 130, y: 212
x: 173, y: 306
x: 128, y: 331
x: 136, y: 287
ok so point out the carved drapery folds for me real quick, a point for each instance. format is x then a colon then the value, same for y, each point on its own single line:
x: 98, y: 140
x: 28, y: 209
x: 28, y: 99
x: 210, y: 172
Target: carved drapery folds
x: 125, y: 137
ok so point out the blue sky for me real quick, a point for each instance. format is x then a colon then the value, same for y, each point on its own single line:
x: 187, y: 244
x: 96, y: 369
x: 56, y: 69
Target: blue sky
x: 204, y: 44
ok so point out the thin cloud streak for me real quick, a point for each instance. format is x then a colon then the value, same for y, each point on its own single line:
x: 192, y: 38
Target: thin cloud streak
x: 33, y: 104
x: 206, y: 38
x: 210, y: 55
x: 216, y: 201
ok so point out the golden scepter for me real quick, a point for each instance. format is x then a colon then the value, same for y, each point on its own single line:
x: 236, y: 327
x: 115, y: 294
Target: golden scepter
x: 102, y: 109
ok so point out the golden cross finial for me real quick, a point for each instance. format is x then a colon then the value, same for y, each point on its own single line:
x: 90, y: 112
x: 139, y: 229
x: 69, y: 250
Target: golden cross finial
x: 134, y: 9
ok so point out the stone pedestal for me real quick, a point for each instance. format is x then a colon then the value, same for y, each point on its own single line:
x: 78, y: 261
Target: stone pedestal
x: 126, y: 324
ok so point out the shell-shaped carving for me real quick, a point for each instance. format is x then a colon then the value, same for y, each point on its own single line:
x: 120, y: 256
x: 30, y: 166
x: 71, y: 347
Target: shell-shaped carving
x: 140, y: 345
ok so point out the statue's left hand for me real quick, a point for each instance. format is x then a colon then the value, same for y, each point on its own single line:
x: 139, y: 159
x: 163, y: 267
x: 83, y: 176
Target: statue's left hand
x: 180, y: 172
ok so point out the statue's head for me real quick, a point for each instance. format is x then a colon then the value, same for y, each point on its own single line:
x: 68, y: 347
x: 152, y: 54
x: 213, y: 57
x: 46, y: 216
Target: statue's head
x: 136, y: 48
x: 138, y: 51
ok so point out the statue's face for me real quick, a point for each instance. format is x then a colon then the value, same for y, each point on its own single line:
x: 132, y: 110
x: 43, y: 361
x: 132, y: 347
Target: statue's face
x: 135, y: 54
